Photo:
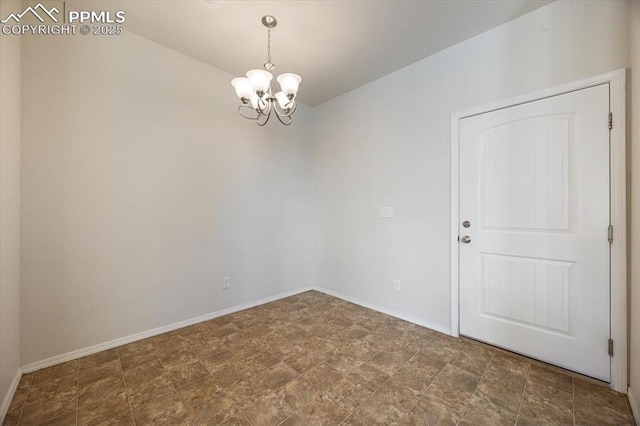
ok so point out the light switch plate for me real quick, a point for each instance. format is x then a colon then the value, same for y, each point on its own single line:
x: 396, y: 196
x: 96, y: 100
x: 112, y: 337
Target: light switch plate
x: 386, y: 212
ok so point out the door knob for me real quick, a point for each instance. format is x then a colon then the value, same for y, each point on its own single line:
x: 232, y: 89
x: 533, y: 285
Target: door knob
x: 465, y: 239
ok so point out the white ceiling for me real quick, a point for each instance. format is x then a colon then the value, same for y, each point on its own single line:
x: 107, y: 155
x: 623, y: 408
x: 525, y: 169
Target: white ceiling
x: 335, y: 45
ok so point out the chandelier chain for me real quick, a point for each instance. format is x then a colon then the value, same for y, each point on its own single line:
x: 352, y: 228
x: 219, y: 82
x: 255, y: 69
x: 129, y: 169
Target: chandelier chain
x: 269, y: 45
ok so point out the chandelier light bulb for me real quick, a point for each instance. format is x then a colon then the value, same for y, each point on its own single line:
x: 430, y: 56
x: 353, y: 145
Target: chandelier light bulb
x: 254, y: 100
x: 260, y: 79
x: 243, y: 87
x: 289, y: 83
x: 283, y: 100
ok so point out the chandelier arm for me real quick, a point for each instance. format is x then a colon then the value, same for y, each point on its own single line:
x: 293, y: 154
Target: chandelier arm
x: 242, y: 107
x: 266, y: 120
x: 283, y: 111
x: 293, y: 108
x: 266, y: 109
x: 280, y: 119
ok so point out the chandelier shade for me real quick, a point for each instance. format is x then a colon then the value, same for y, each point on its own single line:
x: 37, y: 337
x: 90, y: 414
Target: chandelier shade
x: 260, y: 80
x: 243, y: 87
x: 282, y: 99
x: 254, y: 101
x: 254, y: 90
x: 289, y: 83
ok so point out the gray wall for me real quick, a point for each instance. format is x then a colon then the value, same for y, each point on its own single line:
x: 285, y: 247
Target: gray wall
x: 9, y: 208
x: 142, y: 187
x: 387, y: 144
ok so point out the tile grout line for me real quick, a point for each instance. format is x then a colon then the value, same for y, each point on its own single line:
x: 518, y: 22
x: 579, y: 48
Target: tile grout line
x: 48, y: 380
x: 524, y: 389
x: 232, y: 400
x: 78, y: 392
x: 221, y: 387
x: 351, y: 412
x: 422, y: 395
x: 254, y: 374
x: 573, y: 400
x: 435, y: 378
x: 477, y: 386
x: 175, y: 391
x: 24, y: 404
x: 280, y: 360
x: 126, y: 388
x: 383, y: 383
x: 202, y: 403
x: 173, y: 386
x: 324, y: 392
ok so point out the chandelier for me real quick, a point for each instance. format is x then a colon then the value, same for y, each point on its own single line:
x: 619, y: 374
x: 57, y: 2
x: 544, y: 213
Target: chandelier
x: 255, y: 93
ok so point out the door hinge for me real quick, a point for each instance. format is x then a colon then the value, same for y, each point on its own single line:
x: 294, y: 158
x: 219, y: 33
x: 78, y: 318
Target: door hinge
x: 610, y: 120
x: 610, y: 347
x: 610, y: 233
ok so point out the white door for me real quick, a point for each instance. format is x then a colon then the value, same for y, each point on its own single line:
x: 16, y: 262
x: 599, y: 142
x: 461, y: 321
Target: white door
x: 534, y: 188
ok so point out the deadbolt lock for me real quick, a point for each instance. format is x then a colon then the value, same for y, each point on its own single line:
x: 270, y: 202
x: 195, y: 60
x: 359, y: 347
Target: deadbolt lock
x: 466, y: 224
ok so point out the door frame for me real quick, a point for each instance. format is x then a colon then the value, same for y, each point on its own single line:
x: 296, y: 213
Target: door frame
x: 618, y: 198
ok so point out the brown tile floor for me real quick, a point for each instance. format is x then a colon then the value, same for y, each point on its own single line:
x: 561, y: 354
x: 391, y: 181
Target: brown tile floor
x: 310, y: 359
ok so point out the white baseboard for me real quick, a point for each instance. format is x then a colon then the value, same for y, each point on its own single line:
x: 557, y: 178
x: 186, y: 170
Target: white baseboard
x: 6, y: 401
x: 390, y: 312
x: 635, y: 405
x: 59, y: 359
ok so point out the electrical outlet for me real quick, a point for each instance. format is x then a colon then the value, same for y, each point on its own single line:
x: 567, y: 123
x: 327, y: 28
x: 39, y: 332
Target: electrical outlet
x: 226, y: 282
x: 386, y: 212
x: 397, y: 285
